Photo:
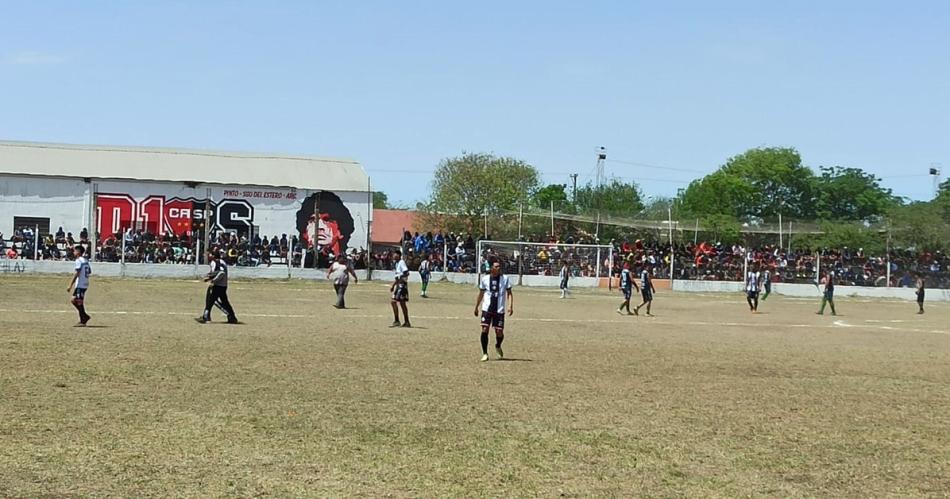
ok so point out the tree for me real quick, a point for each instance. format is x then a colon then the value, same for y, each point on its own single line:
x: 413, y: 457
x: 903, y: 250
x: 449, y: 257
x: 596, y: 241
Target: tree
x: 615, y: 197
x: 758, y: 184
x: 851, y: 194
x: 380, y: 200
x: 657, y: 209
x: 920, y: 225
x: 551, y: 193
x: 478, y: 184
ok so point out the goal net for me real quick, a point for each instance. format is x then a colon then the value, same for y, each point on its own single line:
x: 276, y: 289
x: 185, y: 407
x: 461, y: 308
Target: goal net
x: 545, y: 259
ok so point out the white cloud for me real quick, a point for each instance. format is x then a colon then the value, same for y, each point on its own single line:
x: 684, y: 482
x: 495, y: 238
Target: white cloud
x: 29, y: 58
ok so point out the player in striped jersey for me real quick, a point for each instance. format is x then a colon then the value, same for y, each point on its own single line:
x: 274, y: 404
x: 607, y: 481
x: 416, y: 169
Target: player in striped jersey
x: 753, y: 285
x: 494, y: 298
x: 565, y: 275
x: 627, y: 284
x: 646, y: 290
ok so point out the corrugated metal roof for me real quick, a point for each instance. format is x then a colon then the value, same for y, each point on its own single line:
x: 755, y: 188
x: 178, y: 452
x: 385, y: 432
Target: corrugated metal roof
x: 181, y: 165
x: 388, y: 225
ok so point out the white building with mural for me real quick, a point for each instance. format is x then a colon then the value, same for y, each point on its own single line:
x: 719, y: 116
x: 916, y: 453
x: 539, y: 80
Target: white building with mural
x: 180, y: 192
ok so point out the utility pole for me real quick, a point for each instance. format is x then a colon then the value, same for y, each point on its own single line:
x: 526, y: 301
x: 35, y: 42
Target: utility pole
x: 601, y: 159
x: 573, y: 188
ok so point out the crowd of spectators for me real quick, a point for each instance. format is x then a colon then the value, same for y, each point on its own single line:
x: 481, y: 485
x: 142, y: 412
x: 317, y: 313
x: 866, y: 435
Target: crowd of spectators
x: 456, y: 252
x: 145, y: 247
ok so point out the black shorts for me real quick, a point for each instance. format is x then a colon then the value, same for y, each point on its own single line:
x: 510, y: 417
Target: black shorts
x: 920, y: 296
x: 563, y: 283
x: 424, y: 276
x: 627, y: 293
x: 752, y: 294
x: 495, y: 319
x: 401, y: 293
x: 79, y: 293
x: 829, y: 295
x: 646, y: 294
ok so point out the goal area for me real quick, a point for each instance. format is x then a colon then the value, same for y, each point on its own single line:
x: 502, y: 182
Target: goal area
x: 545, y: 259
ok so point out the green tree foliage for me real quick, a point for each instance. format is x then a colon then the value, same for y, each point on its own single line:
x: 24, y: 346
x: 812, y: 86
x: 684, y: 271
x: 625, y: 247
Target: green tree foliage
x: 657, y: 209
x: 922, y: 225
x: 723, y: 228
x: 759, y: 183
x: 615, y: 197
x: 380, y: 200
x: 476, y: 184
x: 555, y: 193
x: 851, y: 194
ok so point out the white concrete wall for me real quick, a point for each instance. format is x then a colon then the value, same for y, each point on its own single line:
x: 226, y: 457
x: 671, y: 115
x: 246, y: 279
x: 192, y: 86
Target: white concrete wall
x: 158, y: 271
x: 809, y: 290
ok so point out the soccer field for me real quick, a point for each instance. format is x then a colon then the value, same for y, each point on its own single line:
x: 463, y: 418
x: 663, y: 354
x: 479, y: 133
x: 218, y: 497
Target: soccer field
x: 302, y: 399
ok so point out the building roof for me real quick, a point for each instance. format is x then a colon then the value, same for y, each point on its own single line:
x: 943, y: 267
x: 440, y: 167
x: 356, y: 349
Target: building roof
x: 388, y: 225
x: 181, y: 165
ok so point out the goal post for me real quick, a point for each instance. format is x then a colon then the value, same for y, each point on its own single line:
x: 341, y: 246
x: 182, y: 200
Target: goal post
x: 522, y: 259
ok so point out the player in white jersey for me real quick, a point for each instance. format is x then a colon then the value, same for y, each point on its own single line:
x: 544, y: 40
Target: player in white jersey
x: 400, y: 290
x: 494, y: 297
x: 753, y: 285
x: 81, y: 282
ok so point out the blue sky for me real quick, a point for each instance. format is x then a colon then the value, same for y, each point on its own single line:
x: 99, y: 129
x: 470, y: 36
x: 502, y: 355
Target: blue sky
x: 400, y: 85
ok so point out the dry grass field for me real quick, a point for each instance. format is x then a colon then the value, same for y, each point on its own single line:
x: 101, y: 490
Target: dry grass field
x: 705, y: 399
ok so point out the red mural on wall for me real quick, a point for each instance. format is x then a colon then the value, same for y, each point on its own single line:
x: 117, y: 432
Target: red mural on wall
x: 158, y: 215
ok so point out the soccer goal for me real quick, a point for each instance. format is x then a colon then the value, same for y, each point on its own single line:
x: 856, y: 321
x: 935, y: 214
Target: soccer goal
x: 545, y: 259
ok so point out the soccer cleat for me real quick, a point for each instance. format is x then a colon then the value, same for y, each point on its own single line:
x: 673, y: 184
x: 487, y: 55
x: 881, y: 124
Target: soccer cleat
x: 636, y: 311
x: 485, y: 357
x: 500, y: 352
x: 85, y: 320
x: 620, y: 311
x: 394, y: 324
x: 406, y: 324
x: 233, y: 321
x: 80, y: 324
x: 201, y: 320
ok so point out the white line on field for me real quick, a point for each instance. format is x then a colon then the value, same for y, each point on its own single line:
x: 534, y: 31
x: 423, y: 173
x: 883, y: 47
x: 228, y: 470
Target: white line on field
x: 836, y: 324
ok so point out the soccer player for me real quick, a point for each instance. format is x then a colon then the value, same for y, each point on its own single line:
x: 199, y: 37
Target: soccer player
x: 627, y: 283
x: 81, y: 281
x: 646, y: 291
x: 494, y: 295
x: 218, y: 290
x: 565, y: 275
x: 752, y: 287
x: 340, y: 271
x: 829, y: 294
x: 920, y: 292
x: 425, y: 272
x: 400, y: 290
x: 767, y: 283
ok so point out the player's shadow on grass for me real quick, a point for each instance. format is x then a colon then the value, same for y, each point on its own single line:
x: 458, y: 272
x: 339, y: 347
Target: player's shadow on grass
x: 92, y: 326
x: 515, y: 359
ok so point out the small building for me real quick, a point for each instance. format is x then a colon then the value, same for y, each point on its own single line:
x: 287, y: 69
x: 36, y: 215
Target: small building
x: 183, y: 193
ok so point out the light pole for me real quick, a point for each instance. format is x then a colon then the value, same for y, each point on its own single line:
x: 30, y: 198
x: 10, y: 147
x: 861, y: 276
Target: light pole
x: 935, y: 173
